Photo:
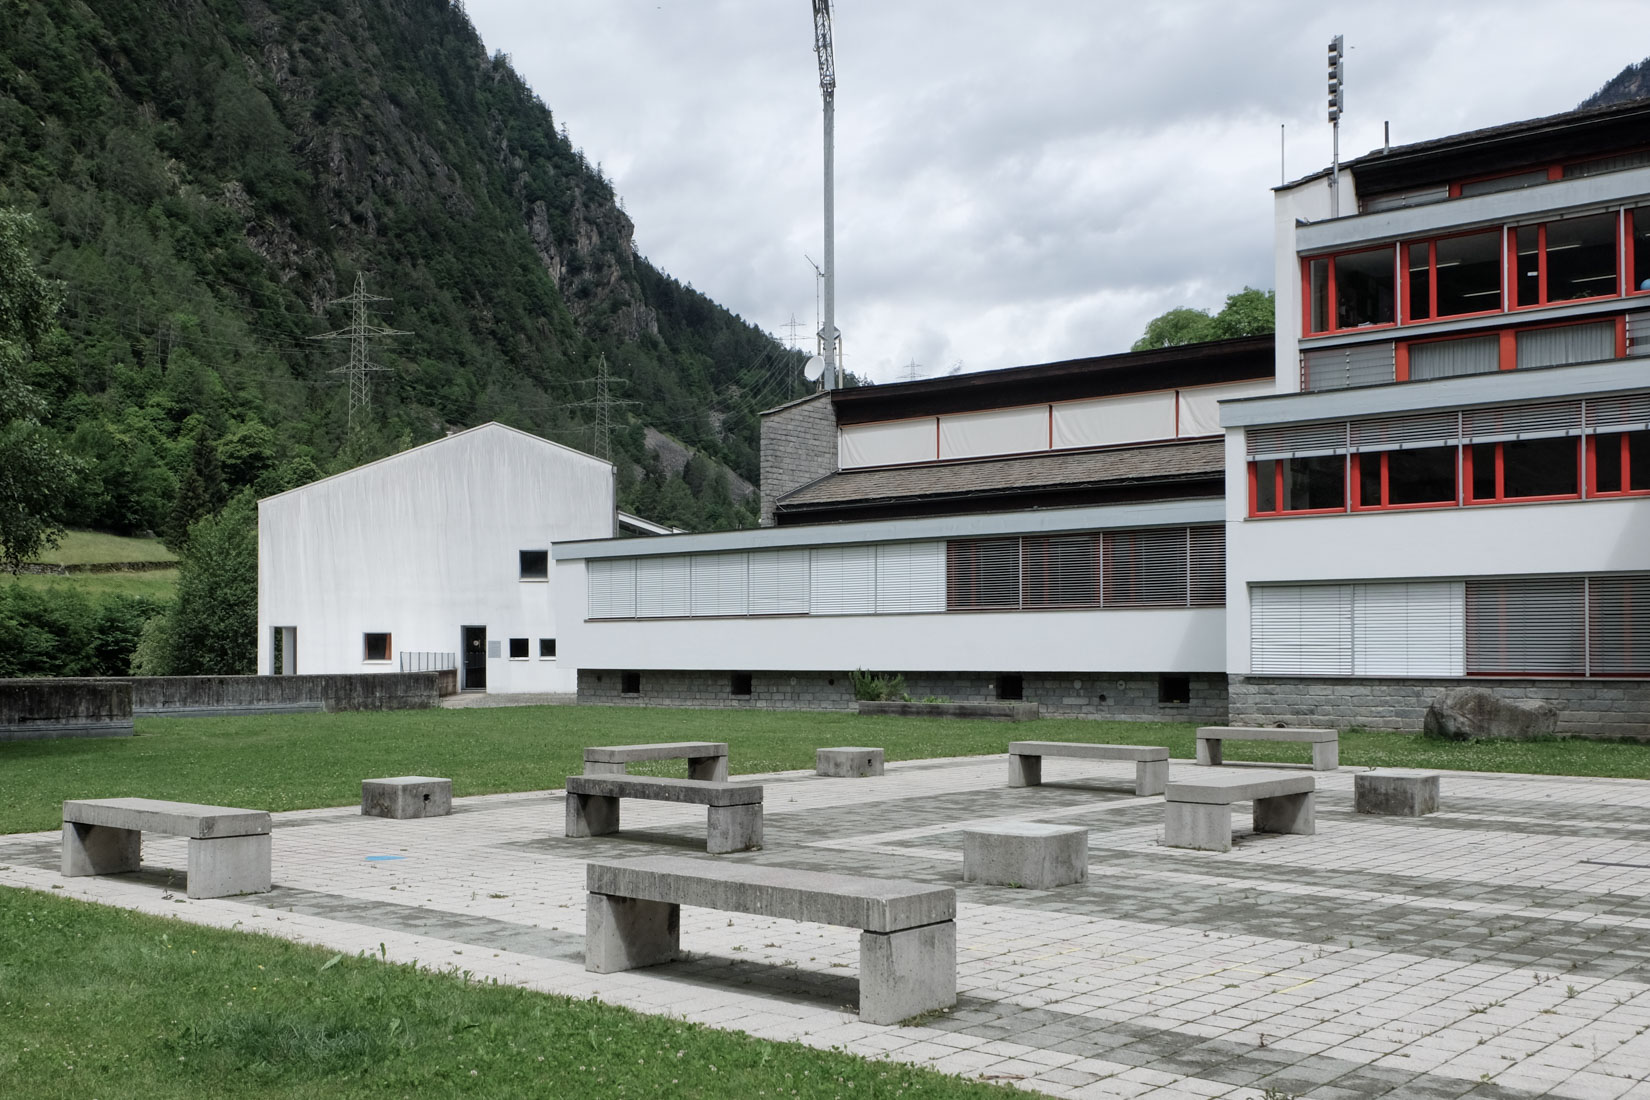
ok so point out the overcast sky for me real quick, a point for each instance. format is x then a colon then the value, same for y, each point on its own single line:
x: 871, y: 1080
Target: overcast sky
x: 1015, y: 183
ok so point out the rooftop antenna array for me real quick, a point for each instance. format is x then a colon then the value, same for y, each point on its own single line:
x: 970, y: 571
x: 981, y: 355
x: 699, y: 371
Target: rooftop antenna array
x: 358, y: 333
x: 1337, y: 103
x: 828, y: 334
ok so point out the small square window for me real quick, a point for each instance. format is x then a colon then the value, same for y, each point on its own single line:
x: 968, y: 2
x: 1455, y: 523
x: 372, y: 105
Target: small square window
x: 740, y: 684
x: 630, y: 683
x: 1011, y: 687
x: 547, y: 648
x: 1174, y: 690
x: 518, y: 649
x: 377, y: 647
x: 535, y: 565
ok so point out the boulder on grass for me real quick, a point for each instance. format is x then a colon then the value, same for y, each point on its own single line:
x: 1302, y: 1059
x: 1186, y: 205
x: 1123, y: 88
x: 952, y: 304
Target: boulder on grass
x: 1467, y: 712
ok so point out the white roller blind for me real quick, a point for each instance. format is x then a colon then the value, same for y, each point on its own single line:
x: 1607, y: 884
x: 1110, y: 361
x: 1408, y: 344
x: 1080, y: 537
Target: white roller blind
x: 779, y: 582
x: 612, y: 587
x: 1107, y: 420
x: 910, y: 576
x: 998, y: 432
x: 842, y: 580
x: 662, y: 587
x: 892, y: 444
x: 719, y: 584
x: 1454, y: 358
x: 1300, y: 630
x: 1526, y: 626
x: 1410, y: 629
x: 1200, y: 407
x: 1554, y: 347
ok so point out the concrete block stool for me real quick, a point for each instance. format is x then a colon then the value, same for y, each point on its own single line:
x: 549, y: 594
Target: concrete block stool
x: 1395, y: 792
x: 1026, y: 853
x: 405, y: 796
x: 848, y: 762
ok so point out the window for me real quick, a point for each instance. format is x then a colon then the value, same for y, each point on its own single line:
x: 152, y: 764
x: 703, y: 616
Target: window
x: 1563, y: 261
x: 1355, y: 289
x: 1638, y: 248
x: 547, y: 649
x: 1412, y: 628
x: 1174, y: 690
x: 740, y: 684
x: 535, y: 565
x: 1618, y: 626
x: 1423, y: 477
x: 1526, y: 626
x: 1454, y: 358
x: 1279, y: 486
x: 1558, y: 345
x: 1512, y: 182
x: 1524, y: 469
x: 1453, y: 276
x: 1011, y: 687
x: 1060, y: 571
x: 376, y: 646
x: 982, y: 574
x: 1620, y: 463
x: 630, y: 683
x: 518, y: 649
x: 1146, y: 568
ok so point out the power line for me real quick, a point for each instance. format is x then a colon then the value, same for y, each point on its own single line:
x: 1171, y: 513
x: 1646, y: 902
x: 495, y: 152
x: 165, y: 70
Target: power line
x: 358, y: 333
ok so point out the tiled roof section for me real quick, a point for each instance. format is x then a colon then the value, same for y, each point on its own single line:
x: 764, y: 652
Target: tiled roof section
x: 1163, y: 462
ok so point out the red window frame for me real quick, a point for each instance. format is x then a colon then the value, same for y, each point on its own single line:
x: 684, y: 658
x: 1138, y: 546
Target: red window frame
x: 1432, y: 277
x: 1332, y: 312
x: 1277, y: 491
x: 1629, y: 231
x: 1507, y: 349
x: 1554, y: 172
x: 1466, y: 478
x: 1593, y: 491
x: 1356, y: 486
x: 1510, y: 269
x: 366, y: 646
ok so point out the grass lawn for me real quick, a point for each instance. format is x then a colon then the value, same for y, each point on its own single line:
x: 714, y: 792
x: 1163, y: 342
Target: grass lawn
x: 102, y: 1002
x: 158, y: 584
x: 288, y: 762
x: 95, y: 547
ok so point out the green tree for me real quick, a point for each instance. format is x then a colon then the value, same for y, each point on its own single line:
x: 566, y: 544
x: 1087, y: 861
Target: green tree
x: 1249, y: 312
x: 36, y: 477
x: 200, y: 494
x: 213, y: 628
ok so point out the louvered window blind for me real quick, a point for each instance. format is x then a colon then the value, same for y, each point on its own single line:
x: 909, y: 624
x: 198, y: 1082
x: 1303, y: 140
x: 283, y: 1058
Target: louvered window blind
x: 1208, y: 566
x: 662, y: 587
x: 982, y: 574
x: 1146, y: 568
x: 910, y: 577
x: 1618, y: 626
x: 842, y: 580
x: 1060, y: 571
x: 612, y: 592
x: 1342, y: 368
x: 779, y: 582
x: 1530, y: 626
x: 721, y: 584
x: 1300, y: 630
x: 1398, y: 629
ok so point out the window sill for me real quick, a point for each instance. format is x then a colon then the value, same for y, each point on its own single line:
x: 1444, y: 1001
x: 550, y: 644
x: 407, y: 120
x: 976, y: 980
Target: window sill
x: 534, y: 580
x: 386, y: 661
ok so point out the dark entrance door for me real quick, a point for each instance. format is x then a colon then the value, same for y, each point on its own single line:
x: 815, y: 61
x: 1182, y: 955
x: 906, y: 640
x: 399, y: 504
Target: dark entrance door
x: 475, y: 658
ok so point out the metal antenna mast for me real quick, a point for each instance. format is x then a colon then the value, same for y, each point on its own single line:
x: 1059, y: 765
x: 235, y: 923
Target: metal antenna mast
x: 1337, y: 104
x: 604, y: 404
x: 828, y: 334
x: 358, y: 333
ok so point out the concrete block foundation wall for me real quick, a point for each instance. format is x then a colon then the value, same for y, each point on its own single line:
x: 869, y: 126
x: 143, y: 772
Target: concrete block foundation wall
x: 1132, y: 695
x: 38, y: 710
x: 1586, y: 708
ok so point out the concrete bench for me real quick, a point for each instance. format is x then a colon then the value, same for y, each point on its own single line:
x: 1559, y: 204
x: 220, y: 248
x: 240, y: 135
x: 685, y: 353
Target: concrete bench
x: 707, y: 760
x: 848, y: 762
x: 1026, y: 853
x: 229, y: 849
x: 733, y: 810
x: 1151, y: 762
x: 1395, y: 792
x: 407, y: 796
x: 1198, y: 813
x: 1326, y: 744
x: 908, y: 931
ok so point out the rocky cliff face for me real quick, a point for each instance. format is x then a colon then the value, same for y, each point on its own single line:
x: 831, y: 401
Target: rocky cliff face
x: 1633, y: 82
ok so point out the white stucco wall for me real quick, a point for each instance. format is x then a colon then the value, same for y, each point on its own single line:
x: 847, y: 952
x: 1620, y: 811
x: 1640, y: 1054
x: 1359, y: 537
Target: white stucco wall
x: 424, y: 543
x: 1308, y: 201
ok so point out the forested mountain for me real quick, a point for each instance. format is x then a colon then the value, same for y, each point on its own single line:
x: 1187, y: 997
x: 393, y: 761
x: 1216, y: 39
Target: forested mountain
x: 1633, y: 82
x: 205, y: 176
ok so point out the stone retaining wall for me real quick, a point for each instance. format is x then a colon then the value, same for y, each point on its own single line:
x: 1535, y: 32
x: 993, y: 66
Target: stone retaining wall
x: 44, y: 709
x: 1586, y: 708
x: 1117, y: 695
x: 202, y: 696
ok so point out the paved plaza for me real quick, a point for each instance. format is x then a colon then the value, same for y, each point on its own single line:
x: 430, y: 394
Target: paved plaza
x: 1499, y: 948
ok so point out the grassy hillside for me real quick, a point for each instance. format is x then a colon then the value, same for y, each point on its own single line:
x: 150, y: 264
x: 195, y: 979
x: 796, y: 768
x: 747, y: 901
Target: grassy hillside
x: 101, y: 548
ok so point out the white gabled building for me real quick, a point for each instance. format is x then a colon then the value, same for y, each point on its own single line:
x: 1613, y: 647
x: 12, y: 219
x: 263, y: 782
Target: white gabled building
x: 434, y: 557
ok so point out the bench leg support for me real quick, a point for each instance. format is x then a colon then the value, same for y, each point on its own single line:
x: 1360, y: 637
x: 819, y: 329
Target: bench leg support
x: 1286, y: 813
x: 221, y: 867
x: 603, y: 767
x: 1208, y: 751
x: 624, y: 933
x: 1326, y: 756
x: 712, y: 769
x: 592, y: 815
x: 99, y: 849
x: 1151, y: 776
x: 904, y: 974
x: 733, y: 828
x: 1024, y: 771
x: 1204, y: 826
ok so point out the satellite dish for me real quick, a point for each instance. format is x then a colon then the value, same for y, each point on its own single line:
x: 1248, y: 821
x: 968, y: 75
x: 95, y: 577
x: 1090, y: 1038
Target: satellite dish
x: 814, y: 369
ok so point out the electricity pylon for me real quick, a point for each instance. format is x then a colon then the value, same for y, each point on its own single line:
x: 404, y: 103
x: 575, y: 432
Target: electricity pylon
x: 604, y: 404
x: 358, y: 333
